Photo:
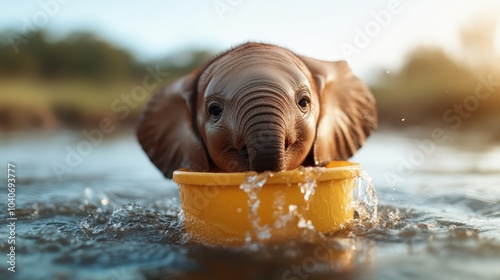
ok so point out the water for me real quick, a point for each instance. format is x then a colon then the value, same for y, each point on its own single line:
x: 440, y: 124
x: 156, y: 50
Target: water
x: 251, y: 187
x: 113, y: 216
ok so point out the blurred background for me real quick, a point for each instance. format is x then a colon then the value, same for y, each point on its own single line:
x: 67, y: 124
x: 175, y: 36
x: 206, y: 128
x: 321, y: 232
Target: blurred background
x: 74, y: 76
x: 69, y: 64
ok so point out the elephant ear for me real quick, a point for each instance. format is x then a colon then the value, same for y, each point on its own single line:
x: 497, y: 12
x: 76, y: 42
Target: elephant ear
x: 166, y: 131
x: 348, y: 113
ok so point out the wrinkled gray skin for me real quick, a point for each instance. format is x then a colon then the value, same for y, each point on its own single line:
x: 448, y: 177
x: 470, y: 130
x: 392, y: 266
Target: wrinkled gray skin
x: 262, y: 126
x: 258, y: 107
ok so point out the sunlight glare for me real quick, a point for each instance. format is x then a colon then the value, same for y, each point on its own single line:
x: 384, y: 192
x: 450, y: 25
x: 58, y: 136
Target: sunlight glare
x: 497, y: 38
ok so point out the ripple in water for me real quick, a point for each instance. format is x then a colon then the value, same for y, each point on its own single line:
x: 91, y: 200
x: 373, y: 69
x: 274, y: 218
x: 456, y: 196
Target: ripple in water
x: 112, y: 221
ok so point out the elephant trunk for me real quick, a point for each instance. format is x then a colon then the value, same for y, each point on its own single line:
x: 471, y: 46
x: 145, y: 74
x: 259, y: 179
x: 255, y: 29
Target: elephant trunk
x: 266, y: 147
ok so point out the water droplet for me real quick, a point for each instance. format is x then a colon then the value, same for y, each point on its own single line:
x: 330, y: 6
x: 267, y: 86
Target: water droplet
x: 252, y: 185
x: 366, y: 201
x: 310, y: 174
x: 105, y: 201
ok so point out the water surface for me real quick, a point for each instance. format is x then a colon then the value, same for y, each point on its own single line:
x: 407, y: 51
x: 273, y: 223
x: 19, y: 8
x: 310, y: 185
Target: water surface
x: 113, y: 216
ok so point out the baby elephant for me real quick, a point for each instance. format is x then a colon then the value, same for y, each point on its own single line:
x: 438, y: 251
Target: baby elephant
x: 258, y: 107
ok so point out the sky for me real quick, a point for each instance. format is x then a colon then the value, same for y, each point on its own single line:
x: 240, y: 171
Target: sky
x: 370, y: 34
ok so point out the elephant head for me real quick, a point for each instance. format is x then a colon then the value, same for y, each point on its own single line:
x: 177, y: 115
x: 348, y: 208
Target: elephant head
x: 258, y: 107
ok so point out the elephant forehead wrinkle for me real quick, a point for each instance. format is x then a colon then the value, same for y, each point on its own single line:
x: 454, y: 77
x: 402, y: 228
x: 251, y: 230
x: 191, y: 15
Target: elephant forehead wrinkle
x: 267, y: 54
x: 254, y: 56
x: 261, y: 79
x: 262, y: 115
x: 256, y: 85
x: 263, y: 100
x: 237, y: 85
x: 213, y: 87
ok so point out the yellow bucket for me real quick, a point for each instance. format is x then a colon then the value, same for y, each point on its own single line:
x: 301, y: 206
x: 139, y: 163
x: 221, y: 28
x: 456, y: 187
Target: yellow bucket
x: 217, y: 211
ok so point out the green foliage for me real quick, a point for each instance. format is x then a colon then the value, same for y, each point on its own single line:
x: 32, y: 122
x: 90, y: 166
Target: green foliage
x: 431, y: 82
x: 72, y: 81
x: 83, y: 56
x: 79, y: 55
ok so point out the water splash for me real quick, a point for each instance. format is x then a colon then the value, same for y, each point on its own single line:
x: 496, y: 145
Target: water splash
x: 156, y: 221
x: 252, y: 185
x: 310, y: 175
x: 307, y: 188
x: 365, y: 201
x: 95, y: 197
x: 293, y: 217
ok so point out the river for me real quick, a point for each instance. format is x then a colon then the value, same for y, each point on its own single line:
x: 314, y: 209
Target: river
x: 107, y: 213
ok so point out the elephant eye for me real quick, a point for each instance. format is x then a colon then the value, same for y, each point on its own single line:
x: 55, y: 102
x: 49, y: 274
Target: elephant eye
x: 215, y: 111
x: 304, y: 101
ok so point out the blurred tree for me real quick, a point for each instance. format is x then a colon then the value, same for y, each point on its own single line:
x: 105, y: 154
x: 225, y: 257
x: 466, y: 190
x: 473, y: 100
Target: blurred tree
x: 422, y: 89
x: 75, y: 78
x: 431, y: 82
x: 81, y: 55
x: 478, y: 43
